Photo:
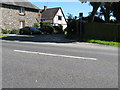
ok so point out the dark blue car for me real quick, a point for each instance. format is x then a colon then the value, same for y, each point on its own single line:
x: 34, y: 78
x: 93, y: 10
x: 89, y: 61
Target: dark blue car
x: 30, y: 30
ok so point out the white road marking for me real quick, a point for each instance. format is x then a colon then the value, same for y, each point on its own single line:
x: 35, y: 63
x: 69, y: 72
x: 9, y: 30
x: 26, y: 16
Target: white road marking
x: 56, y: 55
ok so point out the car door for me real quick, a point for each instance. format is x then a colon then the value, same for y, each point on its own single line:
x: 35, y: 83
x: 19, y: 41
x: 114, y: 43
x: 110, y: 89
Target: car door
x: 27, y: 30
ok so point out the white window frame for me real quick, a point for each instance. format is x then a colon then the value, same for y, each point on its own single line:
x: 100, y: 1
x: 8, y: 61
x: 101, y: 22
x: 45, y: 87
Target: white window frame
x: 22, y: 11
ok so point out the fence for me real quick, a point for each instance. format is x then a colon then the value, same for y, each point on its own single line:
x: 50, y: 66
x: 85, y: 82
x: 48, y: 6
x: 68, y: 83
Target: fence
x: 99, y: 31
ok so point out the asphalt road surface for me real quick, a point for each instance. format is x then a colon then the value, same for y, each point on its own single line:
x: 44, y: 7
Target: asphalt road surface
x: 58, y: 65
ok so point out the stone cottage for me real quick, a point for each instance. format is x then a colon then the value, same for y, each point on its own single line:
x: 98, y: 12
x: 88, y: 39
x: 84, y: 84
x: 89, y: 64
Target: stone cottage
x: 16, y: 15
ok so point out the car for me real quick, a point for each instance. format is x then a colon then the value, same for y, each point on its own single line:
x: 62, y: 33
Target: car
x: 30, y: 30
x: 47, y: 29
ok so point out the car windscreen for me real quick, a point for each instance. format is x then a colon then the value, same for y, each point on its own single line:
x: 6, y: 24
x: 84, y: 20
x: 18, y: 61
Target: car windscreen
x: 33, y: 28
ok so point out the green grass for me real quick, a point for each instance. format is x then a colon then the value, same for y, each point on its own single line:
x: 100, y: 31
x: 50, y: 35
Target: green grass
x: 6, y: 35
x: 109, y: 43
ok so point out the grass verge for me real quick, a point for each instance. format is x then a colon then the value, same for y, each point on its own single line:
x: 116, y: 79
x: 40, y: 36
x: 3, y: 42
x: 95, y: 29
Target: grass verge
x: 108, y: 43
x: 3, y: 35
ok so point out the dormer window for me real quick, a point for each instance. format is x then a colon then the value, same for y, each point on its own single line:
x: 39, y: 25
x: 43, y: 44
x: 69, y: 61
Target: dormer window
x: 22, y: 11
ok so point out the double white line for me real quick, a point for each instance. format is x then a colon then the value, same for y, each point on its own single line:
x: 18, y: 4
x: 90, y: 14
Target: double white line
x: 55, y: 55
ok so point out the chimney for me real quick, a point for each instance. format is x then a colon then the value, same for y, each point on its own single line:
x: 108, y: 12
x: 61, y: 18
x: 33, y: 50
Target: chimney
x: 45, y: 7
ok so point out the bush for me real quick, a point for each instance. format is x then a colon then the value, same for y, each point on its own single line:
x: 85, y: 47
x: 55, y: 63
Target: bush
x: 58, y: 29
x: 45, y: 23
x: 5, y: 31
x: 15, y: 31
x: 71, y: 29
x: 37, y: 25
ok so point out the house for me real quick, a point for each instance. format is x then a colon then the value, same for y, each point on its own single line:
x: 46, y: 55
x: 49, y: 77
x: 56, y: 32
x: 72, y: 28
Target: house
x: 16, y: 15
x: 54, y: 15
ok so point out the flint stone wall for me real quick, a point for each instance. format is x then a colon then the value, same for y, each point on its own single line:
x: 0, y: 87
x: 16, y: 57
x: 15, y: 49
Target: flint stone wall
x: 11, y: 17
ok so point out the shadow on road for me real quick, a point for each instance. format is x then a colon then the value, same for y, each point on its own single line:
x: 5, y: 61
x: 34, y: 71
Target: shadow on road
x: 53, y: 38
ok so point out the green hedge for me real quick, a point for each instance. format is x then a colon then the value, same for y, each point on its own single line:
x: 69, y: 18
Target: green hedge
x: 101, y: 31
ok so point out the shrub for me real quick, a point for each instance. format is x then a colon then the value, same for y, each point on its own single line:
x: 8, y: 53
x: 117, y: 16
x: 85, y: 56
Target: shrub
x: 37, y: 25
x: 5, y: 31
x: 15, y: 31
x: 71, y: 29
x: 58, y: 29
x: 45, y: 23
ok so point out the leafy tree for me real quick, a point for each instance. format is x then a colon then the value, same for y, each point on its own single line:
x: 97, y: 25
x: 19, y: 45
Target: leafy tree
x: 69, y: 16
x: 95, y: 6
x: 116, y: 10
x: 106, y: 8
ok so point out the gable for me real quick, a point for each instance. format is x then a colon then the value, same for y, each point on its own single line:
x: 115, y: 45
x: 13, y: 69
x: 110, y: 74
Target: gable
x: 60, y: 13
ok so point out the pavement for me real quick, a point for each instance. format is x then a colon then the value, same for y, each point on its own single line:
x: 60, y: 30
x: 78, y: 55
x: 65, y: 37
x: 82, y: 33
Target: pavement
x: 51, y: 61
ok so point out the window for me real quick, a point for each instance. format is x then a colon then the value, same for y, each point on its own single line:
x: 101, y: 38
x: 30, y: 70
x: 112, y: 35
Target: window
x: 22, y: 24
x: 22, y: 11
x: 59, y: 18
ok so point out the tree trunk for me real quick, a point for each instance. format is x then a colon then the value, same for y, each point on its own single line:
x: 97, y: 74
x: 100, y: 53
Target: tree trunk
x: 107, y: 15
x: 95, y: 8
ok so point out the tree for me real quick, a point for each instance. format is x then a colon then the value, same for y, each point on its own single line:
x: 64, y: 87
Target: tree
x: 105, y: 10
x: 95, y: 6
x: 116, y: 10
x: 69, y: 16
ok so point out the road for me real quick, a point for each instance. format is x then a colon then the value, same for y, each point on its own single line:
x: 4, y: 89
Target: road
x: 58, y: 65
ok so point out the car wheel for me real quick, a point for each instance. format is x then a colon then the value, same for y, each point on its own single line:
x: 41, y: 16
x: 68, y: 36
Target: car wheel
x: 21, y: 32
x: 31, y: 33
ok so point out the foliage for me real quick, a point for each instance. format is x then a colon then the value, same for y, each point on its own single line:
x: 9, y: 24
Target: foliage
x: 96, y: 19
x: 107, y: 9
x: 95, y: 6
x: 71, y: 26
x: 58, y: 29
x: 15, y: 31
x: 5, y: 31
x: 37, y: 25
x: 45, y: 23
x: 116, y: 10
x: 69, y: 16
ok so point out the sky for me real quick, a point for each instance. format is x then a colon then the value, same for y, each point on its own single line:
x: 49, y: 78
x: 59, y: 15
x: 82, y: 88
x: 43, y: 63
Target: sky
x: 73, y: 8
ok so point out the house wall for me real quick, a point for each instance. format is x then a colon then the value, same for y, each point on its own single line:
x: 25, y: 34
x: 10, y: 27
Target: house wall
x: 62, y: 22
x: 11, y: 18
x: 0, y: 16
